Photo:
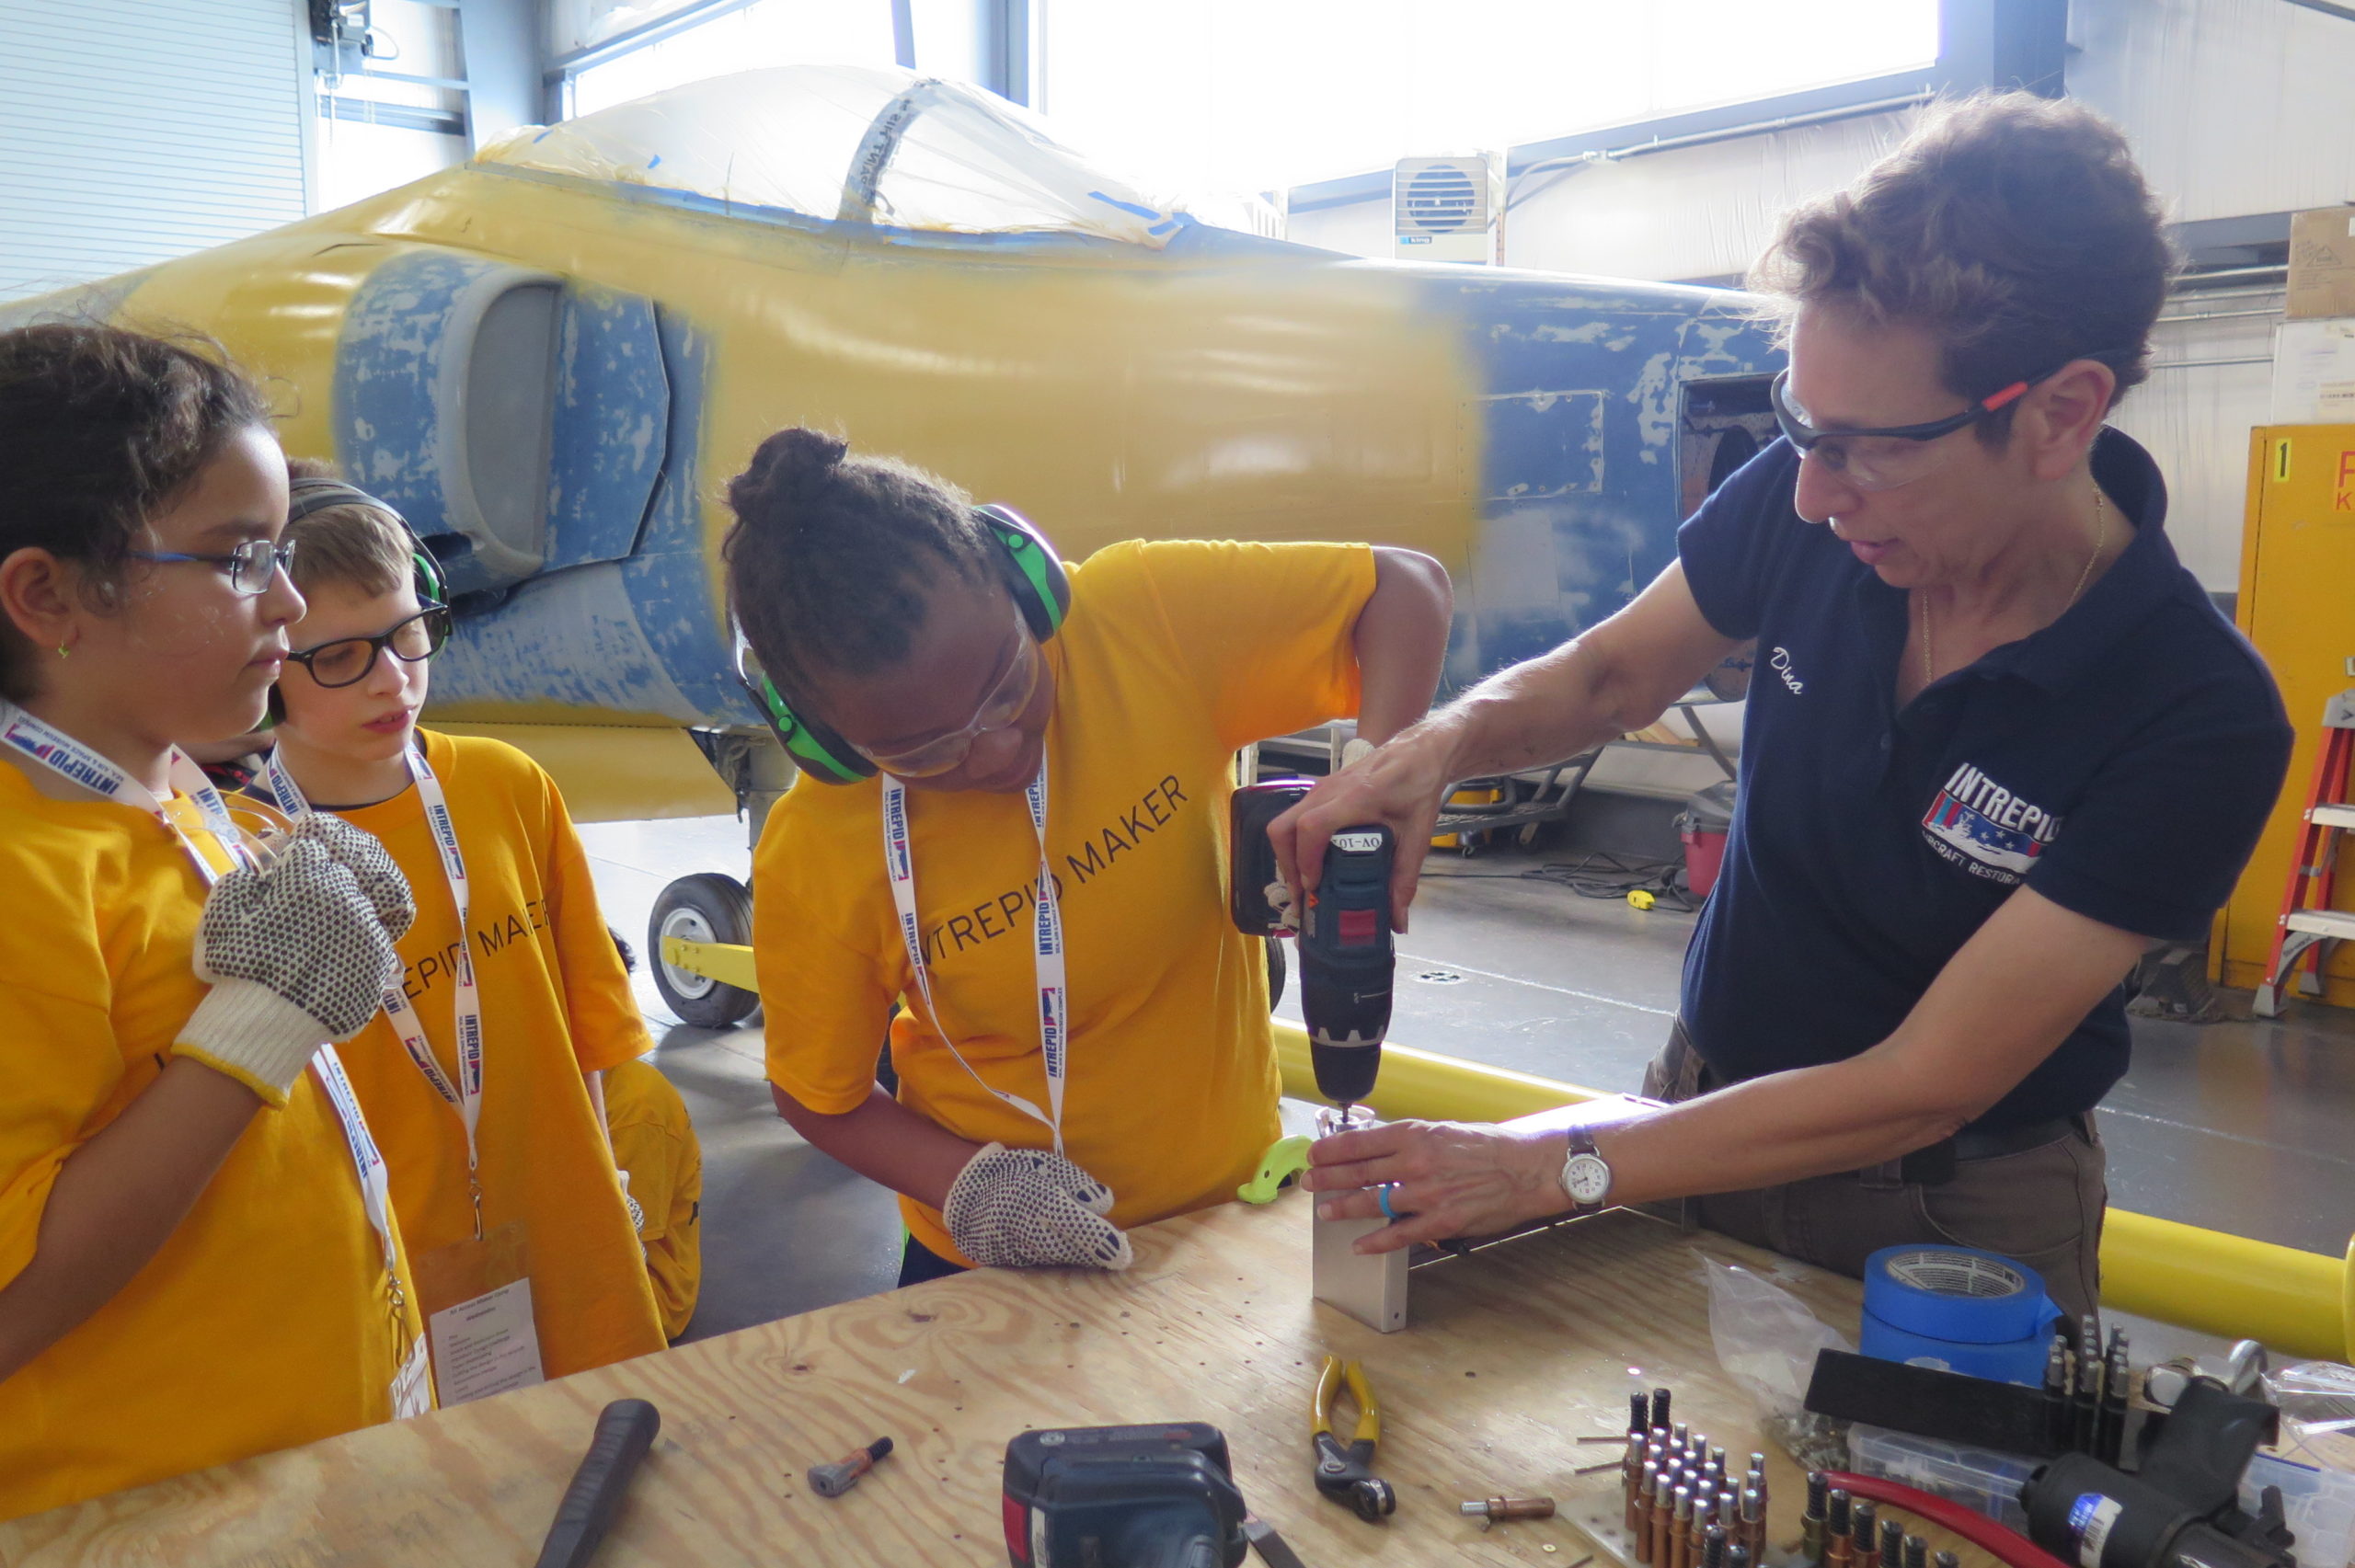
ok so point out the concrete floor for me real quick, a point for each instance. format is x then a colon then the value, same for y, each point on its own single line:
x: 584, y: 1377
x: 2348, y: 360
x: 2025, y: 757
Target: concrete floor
x: 2237, y: 1126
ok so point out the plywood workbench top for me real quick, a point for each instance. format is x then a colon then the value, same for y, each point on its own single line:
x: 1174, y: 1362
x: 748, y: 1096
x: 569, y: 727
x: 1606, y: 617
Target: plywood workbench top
x: 1510, y: 1357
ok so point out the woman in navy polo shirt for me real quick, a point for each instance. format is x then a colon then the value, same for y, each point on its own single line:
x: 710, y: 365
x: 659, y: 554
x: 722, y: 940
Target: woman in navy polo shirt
x: 1999, y: 743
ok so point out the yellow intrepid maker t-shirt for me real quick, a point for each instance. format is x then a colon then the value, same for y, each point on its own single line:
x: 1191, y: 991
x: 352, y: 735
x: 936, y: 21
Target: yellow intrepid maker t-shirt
x: 556, y: 1003
x: 265, y: 1320
x: 1174, y: 655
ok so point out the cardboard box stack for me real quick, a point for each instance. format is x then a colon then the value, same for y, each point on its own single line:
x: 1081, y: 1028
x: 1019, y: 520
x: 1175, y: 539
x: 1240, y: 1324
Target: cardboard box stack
x: 2314, y: 359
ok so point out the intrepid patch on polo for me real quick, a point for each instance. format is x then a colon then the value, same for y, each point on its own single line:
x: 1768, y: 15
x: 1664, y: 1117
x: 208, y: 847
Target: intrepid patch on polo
x: 1986, y: 829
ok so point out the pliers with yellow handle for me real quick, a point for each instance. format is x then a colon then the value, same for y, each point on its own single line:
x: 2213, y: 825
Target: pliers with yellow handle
x: 1345, y: 1471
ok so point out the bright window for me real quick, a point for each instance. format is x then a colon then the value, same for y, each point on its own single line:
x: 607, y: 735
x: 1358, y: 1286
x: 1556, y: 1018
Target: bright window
x: 1234, y: 96
x: 771, y: 32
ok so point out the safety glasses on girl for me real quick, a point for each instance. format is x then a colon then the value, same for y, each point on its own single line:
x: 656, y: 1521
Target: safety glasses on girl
x: 347, y: 660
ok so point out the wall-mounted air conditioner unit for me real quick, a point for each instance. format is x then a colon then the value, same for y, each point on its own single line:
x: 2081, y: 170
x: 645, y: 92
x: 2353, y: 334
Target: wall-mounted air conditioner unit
x: 1448, y: 209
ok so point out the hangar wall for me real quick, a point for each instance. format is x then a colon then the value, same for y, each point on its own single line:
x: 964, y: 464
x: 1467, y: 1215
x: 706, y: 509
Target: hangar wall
x: 199, y: 140
x: 2203, y: 88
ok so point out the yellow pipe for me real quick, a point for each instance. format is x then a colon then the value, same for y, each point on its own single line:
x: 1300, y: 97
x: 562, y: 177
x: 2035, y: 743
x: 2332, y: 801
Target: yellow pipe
x: 728, y: 963
x: 2296, y: 1301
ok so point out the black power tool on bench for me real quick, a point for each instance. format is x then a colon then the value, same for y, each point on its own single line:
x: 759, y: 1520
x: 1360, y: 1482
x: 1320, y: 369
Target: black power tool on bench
x: 2180, y: 1510
x: 1123, y: 1497
x: 1347, y: 961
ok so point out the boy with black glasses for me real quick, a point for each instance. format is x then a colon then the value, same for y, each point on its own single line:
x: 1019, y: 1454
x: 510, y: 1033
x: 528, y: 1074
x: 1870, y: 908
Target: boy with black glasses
x: 483, y: 1076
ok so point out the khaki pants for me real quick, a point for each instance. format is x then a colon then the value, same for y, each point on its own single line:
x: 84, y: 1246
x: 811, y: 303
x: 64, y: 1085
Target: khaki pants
x: 2042, y: 1207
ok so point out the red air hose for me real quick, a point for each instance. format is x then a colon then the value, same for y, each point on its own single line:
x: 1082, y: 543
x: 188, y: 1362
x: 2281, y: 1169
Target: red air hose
x: 2009, y: 1545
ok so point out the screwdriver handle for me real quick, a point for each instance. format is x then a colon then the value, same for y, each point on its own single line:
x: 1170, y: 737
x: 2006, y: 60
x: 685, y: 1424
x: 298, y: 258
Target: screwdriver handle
x: 625, y: 1429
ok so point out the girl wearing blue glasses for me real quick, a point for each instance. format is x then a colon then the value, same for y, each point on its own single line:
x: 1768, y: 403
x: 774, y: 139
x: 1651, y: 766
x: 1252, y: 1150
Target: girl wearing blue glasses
x: 197, y: 1260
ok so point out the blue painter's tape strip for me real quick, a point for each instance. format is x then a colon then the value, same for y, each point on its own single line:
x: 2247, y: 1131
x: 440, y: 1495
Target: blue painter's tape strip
x: 1957, y: 1293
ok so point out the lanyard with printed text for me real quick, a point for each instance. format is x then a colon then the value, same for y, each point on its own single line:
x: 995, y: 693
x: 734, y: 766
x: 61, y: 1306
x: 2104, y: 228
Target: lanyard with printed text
x: 72, y: 761
x: 67, y: 757
x: 466, y: 1097
x: 1046, y: 931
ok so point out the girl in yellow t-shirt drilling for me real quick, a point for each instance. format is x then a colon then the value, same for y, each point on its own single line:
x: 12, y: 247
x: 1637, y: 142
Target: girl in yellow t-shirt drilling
x: 1012, y: 811
x: 198, y: 1260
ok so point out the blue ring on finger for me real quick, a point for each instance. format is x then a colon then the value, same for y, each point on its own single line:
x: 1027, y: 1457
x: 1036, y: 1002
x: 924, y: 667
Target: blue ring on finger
x: 1381, y: 1194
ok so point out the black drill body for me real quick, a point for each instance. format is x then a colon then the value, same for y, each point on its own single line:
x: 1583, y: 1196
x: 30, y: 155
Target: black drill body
x: 1348, y: 963
x: 1347, y: 959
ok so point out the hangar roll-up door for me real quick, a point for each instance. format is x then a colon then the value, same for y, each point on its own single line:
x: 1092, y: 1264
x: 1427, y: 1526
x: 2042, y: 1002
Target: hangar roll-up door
x: 134, y: 130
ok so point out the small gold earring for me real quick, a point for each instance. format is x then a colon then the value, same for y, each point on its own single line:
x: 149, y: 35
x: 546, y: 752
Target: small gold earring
x: 61, y: 650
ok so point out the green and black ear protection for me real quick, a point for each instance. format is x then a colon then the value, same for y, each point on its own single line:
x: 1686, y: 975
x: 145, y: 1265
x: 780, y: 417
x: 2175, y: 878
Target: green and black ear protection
x: 315, y: 494
x: 1031, y: 572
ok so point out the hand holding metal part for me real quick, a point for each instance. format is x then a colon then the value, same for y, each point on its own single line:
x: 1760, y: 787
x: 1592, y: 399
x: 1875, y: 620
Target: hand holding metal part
x: 1445, y: 1179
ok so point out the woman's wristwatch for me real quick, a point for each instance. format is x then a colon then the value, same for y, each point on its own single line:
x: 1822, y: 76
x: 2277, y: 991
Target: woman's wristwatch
x: 1586, y: 1175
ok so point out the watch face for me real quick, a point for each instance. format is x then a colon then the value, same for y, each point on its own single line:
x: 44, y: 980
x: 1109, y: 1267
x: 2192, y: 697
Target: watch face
x: 1586, y: 1178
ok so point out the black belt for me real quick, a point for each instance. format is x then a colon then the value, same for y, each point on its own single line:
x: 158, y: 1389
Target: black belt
x: 1935, y: 1165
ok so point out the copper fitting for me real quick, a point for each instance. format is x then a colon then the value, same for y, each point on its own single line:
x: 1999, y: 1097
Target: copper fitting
x: 1493, y: 1508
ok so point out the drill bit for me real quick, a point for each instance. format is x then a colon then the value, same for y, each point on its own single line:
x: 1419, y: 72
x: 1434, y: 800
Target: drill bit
x: 1892, y: 1543
x: 1639, y: 1413
x: 2086, y: 1413
x: 2057, y: 1419
x: 2117, y: 1377
x: 1661, y: 1397
x: 1917, y: 1553
x: 1713, y: 1545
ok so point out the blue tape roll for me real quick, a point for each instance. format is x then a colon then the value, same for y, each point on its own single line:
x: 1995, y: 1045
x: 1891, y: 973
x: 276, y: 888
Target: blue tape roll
x: 1959, y: 1307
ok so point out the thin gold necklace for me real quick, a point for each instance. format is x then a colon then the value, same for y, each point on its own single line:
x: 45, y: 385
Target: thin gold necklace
x: 2101, y: 538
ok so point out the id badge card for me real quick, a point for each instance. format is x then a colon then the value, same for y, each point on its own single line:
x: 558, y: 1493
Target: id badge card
x: 477, y: 1299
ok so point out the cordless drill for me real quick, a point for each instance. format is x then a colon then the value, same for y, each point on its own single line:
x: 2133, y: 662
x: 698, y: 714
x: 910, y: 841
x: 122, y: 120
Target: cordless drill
x: 1347, y: 961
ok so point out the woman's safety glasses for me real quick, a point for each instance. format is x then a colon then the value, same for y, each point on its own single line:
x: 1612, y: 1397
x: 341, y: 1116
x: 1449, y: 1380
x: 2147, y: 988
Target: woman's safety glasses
x: 347, y: 661
x: 1884, y: 458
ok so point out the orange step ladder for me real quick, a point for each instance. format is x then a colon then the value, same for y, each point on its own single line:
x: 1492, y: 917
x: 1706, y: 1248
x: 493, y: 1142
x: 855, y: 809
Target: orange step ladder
x: 2308, y: 923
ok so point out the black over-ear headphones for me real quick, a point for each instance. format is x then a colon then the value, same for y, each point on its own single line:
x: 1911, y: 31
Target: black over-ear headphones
x: 1030, y: 569
x: 306, y: 496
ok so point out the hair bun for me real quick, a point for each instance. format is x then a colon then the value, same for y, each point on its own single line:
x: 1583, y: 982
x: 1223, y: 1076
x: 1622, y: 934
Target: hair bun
x: 791, y: 466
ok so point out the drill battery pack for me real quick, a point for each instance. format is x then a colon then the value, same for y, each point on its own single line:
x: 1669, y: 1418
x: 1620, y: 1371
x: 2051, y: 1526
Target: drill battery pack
x: 1158, y: 1496
x: 1251, y: 859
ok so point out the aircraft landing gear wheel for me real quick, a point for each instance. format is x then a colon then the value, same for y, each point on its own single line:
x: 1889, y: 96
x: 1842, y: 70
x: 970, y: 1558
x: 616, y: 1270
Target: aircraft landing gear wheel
x: 707, y: 906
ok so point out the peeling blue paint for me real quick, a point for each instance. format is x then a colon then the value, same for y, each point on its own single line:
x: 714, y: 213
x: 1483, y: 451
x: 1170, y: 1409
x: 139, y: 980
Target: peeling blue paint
x: 642, y: 635
x: 1579, y: 480
x: 611, y: 426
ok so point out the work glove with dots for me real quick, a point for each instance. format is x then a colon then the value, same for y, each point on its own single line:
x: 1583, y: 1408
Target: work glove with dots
x: 299, y: 953
x: 1033, y: 1208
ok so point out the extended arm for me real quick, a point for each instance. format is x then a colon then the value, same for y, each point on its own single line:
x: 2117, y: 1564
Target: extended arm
x: 2000, y: 1006
x: 886, y: 1142
x: 1617, y: 678
x: 1401, y: 641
